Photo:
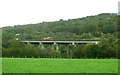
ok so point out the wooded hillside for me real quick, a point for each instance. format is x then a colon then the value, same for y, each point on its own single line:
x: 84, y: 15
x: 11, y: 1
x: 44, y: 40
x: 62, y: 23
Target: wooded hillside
x: 99, y: 27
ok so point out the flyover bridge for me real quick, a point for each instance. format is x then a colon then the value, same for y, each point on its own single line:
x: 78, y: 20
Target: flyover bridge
x: 58, y: 42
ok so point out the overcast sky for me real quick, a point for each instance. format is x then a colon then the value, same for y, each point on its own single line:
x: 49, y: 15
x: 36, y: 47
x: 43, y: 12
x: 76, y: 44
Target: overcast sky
x: 14, y: 12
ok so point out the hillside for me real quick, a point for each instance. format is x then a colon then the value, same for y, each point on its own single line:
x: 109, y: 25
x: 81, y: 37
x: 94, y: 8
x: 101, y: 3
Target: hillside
x: 101, y: 27
x: 81, y: 28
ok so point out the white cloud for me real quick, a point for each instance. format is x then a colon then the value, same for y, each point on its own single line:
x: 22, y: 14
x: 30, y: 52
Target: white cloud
x: 13, y: 12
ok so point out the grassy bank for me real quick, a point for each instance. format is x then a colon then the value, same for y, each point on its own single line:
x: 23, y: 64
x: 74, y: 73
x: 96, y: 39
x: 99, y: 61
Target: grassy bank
x: 47, y: 65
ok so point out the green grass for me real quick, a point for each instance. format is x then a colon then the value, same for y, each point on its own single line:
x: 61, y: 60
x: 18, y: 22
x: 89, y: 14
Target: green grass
x: 47, y: 65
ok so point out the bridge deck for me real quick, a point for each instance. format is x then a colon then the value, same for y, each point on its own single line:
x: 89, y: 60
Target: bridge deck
x: 62, y: 42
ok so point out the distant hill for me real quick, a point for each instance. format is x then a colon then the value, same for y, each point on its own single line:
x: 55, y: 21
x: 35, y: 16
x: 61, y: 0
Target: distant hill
x: 90, y: 27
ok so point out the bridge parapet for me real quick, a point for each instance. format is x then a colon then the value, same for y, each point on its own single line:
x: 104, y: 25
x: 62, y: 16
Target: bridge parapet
x: 54, y: 42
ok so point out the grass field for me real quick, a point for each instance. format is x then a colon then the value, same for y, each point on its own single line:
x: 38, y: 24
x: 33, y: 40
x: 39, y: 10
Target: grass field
x: 47, y: 65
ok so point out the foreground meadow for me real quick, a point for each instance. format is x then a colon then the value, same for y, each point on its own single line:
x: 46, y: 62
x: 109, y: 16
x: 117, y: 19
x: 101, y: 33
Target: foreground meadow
x: 50, y: 65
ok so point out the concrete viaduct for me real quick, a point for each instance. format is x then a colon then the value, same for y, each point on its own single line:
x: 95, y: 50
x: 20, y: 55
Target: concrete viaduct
x: 56, y: 43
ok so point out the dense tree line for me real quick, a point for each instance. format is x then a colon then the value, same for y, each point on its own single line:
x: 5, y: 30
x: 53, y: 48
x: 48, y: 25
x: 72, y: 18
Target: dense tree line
x: 107, y: 48
x: 98, y: 27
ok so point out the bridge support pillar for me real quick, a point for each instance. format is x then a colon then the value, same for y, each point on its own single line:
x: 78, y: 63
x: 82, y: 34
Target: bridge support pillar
x: 96, y: 42
x: 55, y: 46
x: 41, y: 45
x: 73, y: 43
x: 28, y: 42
